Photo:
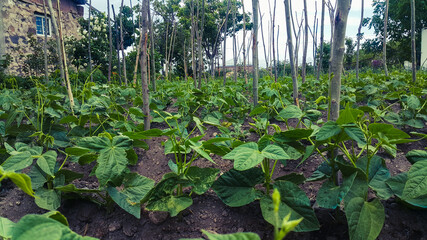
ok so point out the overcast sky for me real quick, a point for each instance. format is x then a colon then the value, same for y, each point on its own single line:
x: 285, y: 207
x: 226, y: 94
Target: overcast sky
x: 297, y: 5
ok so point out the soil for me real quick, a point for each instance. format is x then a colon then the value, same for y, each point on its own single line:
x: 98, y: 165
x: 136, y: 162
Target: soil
x: 208, y: 212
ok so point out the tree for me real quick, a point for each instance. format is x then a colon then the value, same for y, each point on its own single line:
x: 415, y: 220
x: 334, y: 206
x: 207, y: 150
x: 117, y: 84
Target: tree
x: 144, y: 78
x: 338, y: 49
x: 399, y: 27
x: 304, y: 55
x: 291, y: 52
x: 359, y: 37
x: 322, y: 32
x: 385, y: 37
x: 255, y: 7
x: 413, y: 52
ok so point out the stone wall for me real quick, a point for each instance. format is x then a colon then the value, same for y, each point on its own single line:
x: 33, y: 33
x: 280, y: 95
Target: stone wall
x: 19, y: 20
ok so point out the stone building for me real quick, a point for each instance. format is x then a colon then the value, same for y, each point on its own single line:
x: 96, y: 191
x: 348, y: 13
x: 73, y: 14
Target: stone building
x: 19, y: 18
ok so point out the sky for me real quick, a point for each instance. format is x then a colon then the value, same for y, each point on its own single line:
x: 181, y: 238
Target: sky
x: 297, y: 6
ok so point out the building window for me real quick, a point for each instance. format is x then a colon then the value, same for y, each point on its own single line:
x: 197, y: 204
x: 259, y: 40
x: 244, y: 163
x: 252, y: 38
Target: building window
x: 42, y: 26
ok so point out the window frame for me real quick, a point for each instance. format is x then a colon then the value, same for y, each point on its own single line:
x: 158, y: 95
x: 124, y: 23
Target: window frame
x: 49, y: 24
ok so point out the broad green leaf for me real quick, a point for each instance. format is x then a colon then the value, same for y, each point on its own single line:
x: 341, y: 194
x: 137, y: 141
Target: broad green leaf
x: 87, y: 158
x: 290, y: 111
x: 198, y: 149
x: 397, y: 184
x: 416, y: 184
x: 171, y: 204
x: 22, y: 181
x: 293, y: 201
x: 329, y: 195
x: 236, y: 188
x: 293, y: 153
x: 413, y: 102
x: 48, y: 199
x: 416, y: 155
x: 94, y: 143
x: 296, y: 178
x: 122, y: 200
x: 2, y: 128
x: 111, y: 165
x: 245, y: 156
x: 18, y: 162
x: 274, y: 152
x: 365, y: 219
x: 292, y: 135
x: 356, y: 134
x: 71, y: 188
x: 232, y: 236
x: 136, y: 111
x: 32, y: 227
x: 47, y: 162
x: 323, y: 171
x: 327, y: 131
x: 257, y: 110
x: 388, y: 130
x: 68, y: 119
x: 202, y: 178
x: 77, y: 151
x: 57, y: 216
x: 6, y: 227
x: 346, y: 116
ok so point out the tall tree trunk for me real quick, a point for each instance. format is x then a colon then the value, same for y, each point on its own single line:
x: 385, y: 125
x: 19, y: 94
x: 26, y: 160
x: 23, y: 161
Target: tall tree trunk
x: 200, y: 45
x: 152, y: 50
x: 305, y: 48
x: 58, y: 41
x: 359, y: 37
x: 117, y: 44
x: 138, y: 51
x: 64, y: 56
x: 244, y: 43
x: 274, y: 53
x: 122, y: 44
x: 144, y: 83
x: 291, y: 52
x: 89, y: 39
x: 385, y: 38
x: 234, y: 43
x: 110, y: 43
x: 46, y: 65
x: 331, y: 19
x: 185, y: 62
x: 255, y: 6
x: 322, y: 34
x: 193, y: 60
x: 337, y: 57
x: 414, y: 56
x: 224, y: 57
x: 262, y: 37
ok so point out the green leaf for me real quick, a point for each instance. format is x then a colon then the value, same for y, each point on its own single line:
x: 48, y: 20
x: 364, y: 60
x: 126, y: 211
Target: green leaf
x: 202, y: 178
x: 71, y: 188
x: 413, y: 102
x: 18, y: 162
x: 87, y: 158
x: 293, y: 201
x: 245, y: 156
x: 22, y: 181
x: 232, y: 236
x: 57, y: 216
x: 257, y: 110
x: 397, y: 184
x: 365, y: 219
x: 356, y: 134
x: 48, y: 199
x: 327, y: 131
x: 346, y: 116
x: 290, y: 111
x: 6, y: 228
x: 32, y: 227
x: 296, y: 178
x: 416, y: 155
x: 329, y: 195
x: 388, y: 130
x: 236, y: 188
x: 274, y: 152
x: 77, y: 151
x: 47, y: 162
x: 171, y: 204
x: 68, y: 119
x: 416, y: 184
x: 292, y: 135
x: 198, y: 149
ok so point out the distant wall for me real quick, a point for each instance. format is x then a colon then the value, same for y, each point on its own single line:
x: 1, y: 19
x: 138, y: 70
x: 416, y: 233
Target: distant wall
x: 19, y: 20
x: 423, y: 62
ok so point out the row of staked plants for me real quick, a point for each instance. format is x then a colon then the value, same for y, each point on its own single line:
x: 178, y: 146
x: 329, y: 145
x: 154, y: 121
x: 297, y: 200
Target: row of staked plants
x: 39, y: 135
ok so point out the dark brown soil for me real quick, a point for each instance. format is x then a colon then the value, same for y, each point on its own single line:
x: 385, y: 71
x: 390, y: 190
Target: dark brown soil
x: 207, y: 211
